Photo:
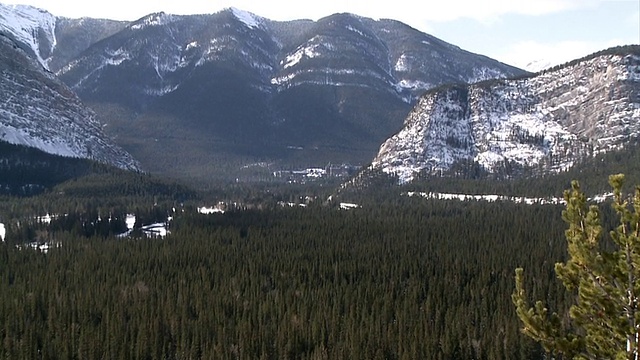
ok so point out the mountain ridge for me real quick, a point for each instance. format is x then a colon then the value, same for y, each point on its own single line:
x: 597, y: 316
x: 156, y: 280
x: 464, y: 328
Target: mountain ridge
x: 546, y: 121
x: 261, y: 88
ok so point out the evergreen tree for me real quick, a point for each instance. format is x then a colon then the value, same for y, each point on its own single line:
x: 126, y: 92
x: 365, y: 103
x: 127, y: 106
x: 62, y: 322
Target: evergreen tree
x: 604, y: 322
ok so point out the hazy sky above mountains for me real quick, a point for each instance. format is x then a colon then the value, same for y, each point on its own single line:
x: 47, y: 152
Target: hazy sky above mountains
x: 517, y: 32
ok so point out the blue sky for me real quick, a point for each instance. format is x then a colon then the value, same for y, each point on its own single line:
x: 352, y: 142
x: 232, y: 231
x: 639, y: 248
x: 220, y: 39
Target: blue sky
x: 556, y: 37
x: 517, y: 32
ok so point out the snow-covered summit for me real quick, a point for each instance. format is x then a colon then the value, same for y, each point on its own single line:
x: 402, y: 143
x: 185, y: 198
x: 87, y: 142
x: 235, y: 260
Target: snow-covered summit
x: 33, y: 27
x: 249, y: 19
x: 155, y: 19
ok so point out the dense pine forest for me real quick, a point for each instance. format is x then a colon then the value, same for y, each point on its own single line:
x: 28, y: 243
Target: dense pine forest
x: 395, y: 278
x: 419, y: 279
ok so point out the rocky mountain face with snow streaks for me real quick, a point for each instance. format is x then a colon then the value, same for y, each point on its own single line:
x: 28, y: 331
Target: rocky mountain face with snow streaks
x: 31, y: 27
x: 39, y: 111
x: 339, y: 50
x: 52, y: 40
x: 162, y: 52
x: 545, y: 122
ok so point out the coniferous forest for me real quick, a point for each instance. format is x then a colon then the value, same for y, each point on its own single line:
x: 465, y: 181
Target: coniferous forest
x: 397, y: 278
x: 421, y: 279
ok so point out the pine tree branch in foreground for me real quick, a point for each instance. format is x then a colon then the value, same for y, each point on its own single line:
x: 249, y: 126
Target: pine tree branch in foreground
x: 604, y: 322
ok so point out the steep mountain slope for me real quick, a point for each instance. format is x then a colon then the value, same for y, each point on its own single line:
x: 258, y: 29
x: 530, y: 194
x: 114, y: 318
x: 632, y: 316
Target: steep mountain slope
x: 73, y: 36
x: 235, y: 85
x: 30, y: 27
x: 38, y: 110
x: 53, y: 41
x: 155, y: 55
x: 421, y: 62
x: 546, y: 122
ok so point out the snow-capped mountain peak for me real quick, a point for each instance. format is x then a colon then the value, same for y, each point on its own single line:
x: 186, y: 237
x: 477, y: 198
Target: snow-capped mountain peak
x: 249, y: 19
x: 32, y: 27
x: 155, y: 19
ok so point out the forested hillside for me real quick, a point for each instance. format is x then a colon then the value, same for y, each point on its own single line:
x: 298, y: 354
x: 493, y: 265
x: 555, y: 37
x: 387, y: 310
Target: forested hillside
x: 471, y: 179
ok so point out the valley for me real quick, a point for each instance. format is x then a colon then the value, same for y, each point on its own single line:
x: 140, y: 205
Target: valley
x: 228, y: 186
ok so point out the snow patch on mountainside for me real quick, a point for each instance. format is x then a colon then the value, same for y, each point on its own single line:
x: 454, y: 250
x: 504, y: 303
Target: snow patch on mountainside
x: 329, y: 76
x: 116, y: 57
x: 355, y: 30
x: 56, y: 146
x: 408, y: 84
x: 307, y: 51
x: 157, y: 19
x: 216, y: 47
x: 191, y: 45
x: 315, y: 47
x: 30, y: 26
x: 249, y: 19
x: 161, y: 91
x: 484, y: 73
x: 403, y: 63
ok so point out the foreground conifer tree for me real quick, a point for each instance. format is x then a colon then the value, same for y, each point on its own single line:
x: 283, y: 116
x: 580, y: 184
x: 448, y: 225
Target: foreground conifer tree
x: 603, y: 272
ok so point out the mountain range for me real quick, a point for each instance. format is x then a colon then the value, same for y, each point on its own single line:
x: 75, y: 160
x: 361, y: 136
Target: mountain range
x: 201, y: 95
x: 206, y: 96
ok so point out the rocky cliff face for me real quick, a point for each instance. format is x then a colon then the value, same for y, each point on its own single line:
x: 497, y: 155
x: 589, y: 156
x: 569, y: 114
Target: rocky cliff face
x: 52, y: 40
x: 548, y: 121
x: 33, y: 29
x: 38, y: 110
